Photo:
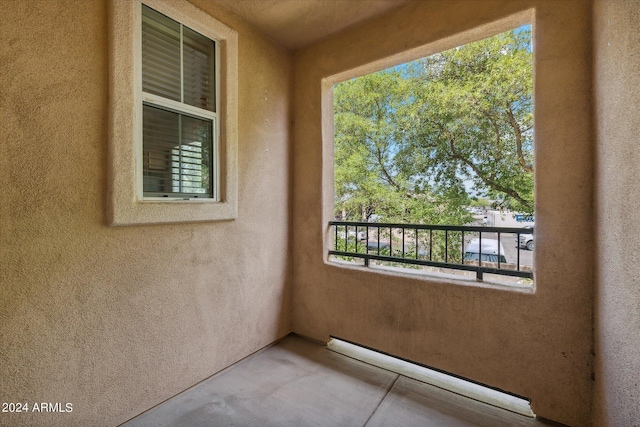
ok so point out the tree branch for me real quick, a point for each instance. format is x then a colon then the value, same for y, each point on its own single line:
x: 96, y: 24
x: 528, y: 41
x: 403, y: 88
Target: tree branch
x: 496, y: 129
x: 380, y: 159
x: 486, y: 178
x: 516, y: 128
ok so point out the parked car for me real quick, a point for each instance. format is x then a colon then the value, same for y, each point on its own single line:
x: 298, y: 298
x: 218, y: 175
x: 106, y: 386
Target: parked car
x: 492, y: 251
x: 525, y: 240
x: 374, y: 246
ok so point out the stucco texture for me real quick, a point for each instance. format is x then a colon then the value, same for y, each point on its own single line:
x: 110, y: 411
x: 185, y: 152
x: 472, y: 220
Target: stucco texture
x: 116, y: 319
x: 538, y: 345
x: 617, y: 108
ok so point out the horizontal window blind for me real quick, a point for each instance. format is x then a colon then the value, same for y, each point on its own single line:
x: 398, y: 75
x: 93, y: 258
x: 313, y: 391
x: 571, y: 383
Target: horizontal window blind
x: 198, y: 58
x: 160, y: 55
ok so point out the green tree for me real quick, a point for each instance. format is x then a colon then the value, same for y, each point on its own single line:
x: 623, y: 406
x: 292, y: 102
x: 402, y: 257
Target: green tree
x: 368, y: 135
x: 472, y: 119
x: 407, y: 139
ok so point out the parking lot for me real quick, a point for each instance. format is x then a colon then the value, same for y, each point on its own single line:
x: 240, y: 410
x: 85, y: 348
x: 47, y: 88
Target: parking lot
x: 508, y: 241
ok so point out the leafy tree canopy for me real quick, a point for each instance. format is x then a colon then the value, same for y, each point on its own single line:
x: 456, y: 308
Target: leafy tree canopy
x: 409, y: 140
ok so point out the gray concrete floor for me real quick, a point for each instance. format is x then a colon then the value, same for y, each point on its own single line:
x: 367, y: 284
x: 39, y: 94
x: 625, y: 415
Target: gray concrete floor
x: 300, y: 383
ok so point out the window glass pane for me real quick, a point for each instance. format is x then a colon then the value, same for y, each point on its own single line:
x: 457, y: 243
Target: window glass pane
x: 198, y: 69
x: 160, y: 135
x: 160, y: 55
x: 193, y: 169
x: 177, y: 154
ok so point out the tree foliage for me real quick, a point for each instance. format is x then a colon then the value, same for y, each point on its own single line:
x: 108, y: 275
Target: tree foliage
x: 409, y: 140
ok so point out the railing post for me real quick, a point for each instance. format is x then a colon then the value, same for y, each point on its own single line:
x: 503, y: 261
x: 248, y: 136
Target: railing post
x: 446, y: 245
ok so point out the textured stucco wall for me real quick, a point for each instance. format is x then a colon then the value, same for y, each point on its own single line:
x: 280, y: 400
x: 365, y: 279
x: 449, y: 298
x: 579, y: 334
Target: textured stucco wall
x: 117, y: 319
x: 537, y: 345
x: 617, y: 312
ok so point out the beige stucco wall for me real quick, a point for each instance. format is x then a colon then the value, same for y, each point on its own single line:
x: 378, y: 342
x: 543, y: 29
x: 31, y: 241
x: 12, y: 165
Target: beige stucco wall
x: 116, y: 319
x: 617, y: 108
x: 537, y: 345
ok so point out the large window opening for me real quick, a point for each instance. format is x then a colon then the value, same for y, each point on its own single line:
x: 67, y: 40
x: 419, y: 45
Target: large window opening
x: 434, y: 162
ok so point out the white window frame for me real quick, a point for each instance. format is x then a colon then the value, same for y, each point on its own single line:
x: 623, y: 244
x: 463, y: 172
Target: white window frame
x: 127, y: 204
x: 183, y: 108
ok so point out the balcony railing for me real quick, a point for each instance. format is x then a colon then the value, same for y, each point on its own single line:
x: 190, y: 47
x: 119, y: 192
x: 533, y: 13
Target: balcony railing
x: 465, y: 248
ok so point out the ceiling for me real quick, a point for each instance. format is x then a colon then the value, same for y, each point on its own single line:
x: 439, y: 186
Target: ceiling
x: 295, y: 23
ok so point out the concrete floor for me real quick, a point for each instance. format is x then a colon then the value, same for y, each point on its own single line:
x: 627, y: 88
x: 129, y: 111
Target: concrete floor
x: 301, y: 383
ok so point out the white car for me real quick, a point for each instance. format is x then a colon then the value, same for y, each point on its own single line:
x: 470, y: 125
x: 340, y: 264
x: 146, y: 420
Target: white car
x: 525, y: 240
x: 492, y: 251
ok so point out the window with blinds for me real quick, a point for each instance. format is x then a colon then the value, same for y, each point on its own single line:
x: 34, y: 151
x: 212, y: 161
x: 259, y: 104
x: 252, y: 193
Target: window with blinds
x: 179, y: 110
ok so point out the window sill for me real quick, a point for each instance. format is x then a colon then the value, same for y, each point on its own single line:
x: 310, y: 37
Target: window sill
x: 432, y: 276
x: 171, y: 211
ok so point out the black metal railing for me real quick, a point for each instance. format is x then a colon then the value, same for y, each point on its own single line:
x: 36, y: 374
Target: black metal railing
x: 476, y: 249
